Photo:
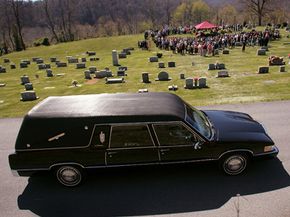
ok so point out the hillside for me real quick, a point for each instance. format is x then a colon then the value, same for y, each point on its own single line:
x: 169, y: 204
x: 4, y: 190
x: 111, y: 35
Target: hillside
x: 244, y: 85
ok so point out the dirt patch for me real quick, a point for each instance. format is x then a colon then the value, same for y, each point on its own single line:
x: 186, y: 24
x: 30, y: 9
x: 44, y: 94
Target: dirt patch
x: 92, y: 81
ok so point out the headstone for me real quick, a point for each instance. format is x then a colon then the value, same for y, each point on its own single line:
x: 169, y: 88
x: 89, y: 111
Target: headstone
x: 115, y: 58
x: 126, y: 51
x: 143, y: 91
x: 216, y: 52
x: 159, y: 55
x: 92, y: 69
x: 263, y: 69
x: 6, y: 60
x: 91, y: 53
x: 103, y: 74
x: 2, y: 69
x: 226, y: 52
x: 83, y: 59
x: 28, y: 86
x: 28, y: 96
x: 121, y: 73
x: 220, y: 66
x: 39, y: 61
x: 47, y: 66
x: 145, y: 77
x: 25, y: 61
x: 12, y: 66
x: 161, y: 65
x: 34, y: 59
x: 211, y: 66
x: 123, y: 68
x: 2, y: 84
x: 61, y: 64
x: 24, y: 79
x: 189, y: 83
x: 80, y: 65
x: 41, y: 66
x: 265, y: 48
x: 261, y: 52
x: 181, y: 76
x: 72, y: 60
x: 53, y: 59
x: 238, y: 44
x: 163, y: 76
x: 94, y: 59
x: 49, y: 73
x: 122, y: 55
x: 153, y: 59
x: 202, y: 82
x: 23, y: 65
x: 114, y: 80
x: 171, y: 64
x: 87, y: 75
x: 68, y: 57
x: 223, y: 74
x: 173, y: 87
x: 282, y: 69
x: 130, y: 48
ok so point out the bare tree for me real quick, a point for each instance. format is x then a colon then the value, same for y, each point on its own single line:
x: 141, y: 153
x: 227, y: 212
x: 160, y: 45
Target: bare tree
x: 258, y: 8
x: 50, y: 23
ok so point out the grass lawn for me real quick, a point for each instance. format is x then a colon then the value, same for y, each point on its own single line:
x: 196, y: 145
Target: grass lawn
x: 243, y: 85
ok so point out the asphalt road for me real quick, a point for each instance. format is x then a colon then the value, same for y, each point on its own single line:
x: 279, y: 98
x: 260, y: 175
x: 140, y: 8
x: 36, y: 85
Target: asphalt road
x: 183, y: 190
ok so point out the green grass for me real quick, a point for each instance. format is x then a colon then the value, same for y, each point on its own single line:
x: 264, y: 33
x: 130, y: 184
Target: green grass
x: 244, y: 85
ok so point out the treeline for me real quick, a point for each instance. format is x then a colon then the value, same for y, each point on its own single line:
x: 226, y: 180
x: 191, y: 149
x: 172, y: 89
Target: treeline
x: 54, y: 21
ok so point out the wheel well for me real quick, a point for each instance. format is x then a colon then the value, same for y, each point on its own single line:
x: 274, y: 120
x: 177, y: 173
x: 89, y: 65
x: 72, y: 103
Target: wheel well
x: 248, y: 153
x: 55, y: 166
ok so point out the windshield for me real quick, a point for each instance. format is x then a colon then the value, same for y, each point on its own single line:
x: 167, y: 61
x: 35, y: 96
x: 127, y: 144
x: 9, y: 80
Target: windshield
x: 199, y: 121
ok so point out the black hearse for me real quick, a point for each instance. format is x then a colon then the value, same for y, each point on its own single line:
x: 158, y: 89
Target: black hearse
x: 70, y: 134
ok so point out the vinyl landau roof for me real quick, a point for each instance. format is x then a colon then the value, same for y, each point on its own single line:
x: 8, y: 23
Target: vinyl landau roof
x: 110, y: 105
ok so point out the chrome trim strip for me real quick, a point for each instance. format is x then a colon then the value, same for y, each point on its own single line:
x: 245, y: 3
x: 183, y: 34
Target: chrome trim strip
x: 236, y: 150
x: 276, y: 150
x: 65, y: 163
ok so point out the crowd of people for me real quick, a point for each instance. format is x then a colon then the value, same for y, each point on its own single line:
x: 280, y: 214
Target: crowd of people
x: 206, y: 43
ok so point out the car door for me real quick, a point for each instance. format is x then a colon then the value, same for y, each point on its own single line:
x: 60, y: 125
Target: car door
x: 131, y: 144
x: 177, y: 142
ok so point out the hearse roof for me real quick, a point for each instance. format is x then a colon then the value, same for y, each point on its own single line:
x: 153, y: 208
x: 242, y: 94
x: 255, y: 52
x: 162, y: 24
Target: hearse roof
x: 162, y: 105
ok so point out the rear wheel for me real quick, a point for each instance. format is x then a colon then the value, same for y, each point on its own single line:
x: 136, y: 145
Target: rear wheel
x: 69, y: 176
x: 234, y: 164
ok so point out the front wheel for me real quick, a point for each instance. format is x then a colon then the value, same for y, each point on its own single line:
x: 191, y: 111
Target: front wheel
x: 69, y: 176
x: 234, y: 164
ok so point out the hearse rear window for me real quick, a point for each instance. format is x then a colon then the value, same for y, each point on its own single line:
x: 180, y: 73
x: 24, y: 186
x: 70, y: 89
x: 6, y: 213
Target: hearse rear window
x: 130, y: 136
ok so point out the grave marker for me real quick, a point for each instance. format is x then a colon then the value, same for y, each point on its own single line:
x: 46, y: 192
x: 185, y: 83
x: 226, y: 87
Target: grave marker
x: 171, y: 64
x: 49, y: 73
x: 189, y: 83
x: 226, y: 52
x: 261, y: 52
x: 114, y: 80
x: 163, y: 76
x: 223, y: 74
x: 28, y: 96
x: 87, y: 75
x: 28, y: 86
x: 211, y: 66
x: 24, y: 79
x: 122, y: 55
x: 153, y: 59
x: 145, y: 77
x: 80, y: 65
x: 263, y: 69
x: 202, y: 82
x: 115, y: 58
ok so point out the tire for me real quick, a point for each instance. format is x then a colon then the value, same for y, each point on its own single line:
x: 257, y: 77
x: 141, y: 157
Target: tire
x: 69, y: 176
x: 234, y: 164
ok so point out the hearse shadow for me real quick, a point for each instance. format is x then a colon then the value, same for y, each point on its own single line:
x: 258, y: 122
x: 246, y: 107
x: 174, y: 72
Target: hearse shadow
x: 150, y: 190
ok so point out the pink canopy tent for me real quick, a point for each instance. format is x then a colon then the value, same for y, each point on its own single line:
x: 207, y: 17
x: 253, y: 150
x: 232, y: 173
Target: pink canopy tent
x: 205, y: 25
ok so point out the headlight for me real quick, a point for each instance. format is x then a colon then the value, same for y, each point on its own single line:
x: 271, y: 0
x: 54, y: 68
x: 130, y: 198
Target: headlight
x: 269, y: 148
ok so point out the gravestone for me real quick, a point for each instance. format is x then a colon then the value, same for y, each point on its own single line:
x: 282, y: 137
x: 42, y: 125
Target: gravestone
x: 282, y: 69
x: 6, y: 60
x: 211, y: 66
x: 24, y: 79
x: 2, y: 84
x: 53, y: 59
x: 202, y: 82
x: 91, y: 53
x: 94, y: 59
x: 115, y: 58
x: 34, y: 59
x: 92, y: 69
x: 47, y: 66
x: 126, y: 51
x: 153, y: 59
x: 103, y: 74
x: 39, y: 61
x: 143, y: 91
x: 87, y: 75
x: 61, y: 64
x: 2, y: 69
x: 80, y: 65
x: 263, y: 69
x: 261, y: 52
x: 28, y: 86
x: 12, y: 66
x: 265, y: 48
x: 161, y: 65
x: 145, y: 77
x: 159, y: 55
x: 223, y: 74
x: 114, y: 80
x: 238, y: 44
x: 171, y: 64
x: 220, y: 66
x: 163, y: 76
x: 41, y: 66
x: 72, y: 60
x: 122, y: 55
x: 49, y: 73
x: 226, y: 52
x: 189, y: 83
x: 121, y: 73
x: 28, y: 96
x: 23, y: 65
x: 182, y: 76
x: 173, y: 87
x: 83, y: 59
x: 216, y: 52
x: 123, y: 68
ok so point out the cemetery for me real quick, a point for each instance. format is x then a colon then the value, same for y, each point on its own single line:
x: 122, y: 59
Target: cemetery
x: 145, y: 71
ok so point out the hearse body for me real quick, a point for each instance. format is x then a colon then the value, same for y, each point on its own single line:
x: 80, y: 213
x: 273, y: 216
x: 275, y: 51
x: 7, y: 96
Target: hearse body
x: 70, y: 134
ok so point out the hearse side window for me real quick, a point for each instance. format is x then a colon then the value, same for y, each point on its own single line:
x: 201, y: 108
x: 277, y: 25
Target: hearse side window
x: 130, y: 136
x: 174, y: 134
x: 101, y: 136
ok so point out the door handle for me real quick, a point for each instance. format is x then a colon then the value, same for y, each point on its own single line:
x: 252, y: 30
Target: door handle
x: 111, y: 153
x: 164, y: 150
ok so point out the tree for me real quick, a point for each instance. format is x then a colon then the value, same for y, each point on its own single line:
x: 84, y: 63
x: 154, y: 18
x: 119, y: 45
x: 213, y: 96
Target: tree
x: 49, y: 21
x: 200, y: 11
x: 228, y: 14
x: 258, y: 8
